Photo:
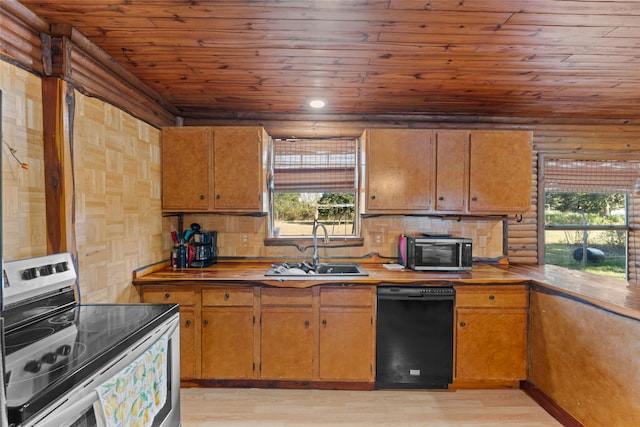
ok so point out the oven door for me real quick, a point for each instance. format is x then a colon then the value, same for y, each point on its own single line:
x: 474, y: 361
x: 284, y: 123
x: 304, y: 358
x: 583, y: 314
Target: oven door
x: 82, y: 406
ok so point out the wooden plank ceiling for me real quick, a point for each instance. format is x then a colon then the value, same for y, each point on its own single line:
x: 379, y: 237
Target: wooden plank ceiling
x: 510, y: 58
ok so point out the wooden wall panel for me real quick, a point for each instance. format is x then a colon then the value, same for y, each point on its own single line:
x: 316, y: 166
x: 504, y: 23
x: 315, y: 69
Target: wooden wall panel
x: 586, y: 360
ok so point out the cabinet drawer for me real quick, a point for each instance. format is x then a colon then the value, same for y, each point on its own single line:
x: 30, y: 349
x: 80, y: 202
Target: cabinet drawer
x: 175, y: 296
x: 274, y: 296
x: 354, y: 297
x: 227, y: 297
x: 492, y: 297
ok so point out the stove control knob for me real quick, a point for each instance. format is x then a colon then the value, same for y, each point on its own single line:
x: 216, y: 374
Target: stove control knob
x: 61, y: 266
x: 30, y: 273
x: 46, y: 270
x: 33, y: 366
x: 64, y: 350
x: 49, y: 358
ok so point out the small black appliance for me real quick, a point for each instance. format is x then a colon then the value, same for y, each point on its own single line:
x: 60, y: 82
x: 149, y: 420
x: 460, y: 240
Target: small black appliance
x: 204, y: 244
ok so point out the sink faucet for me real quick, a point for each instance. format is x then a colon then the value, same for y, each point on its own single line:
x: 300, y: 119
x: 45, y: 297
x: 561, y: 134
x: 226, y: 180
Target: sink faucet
x: 317, y: 225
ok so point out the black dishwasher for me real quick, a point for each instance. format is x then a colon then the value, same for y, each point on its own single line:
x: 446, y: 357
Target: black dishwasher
x: 414, y: 337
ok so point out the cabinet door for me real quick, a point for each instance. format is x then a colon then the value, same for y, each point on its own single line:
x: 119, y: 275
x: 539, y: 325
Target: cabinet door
x: 491, y: 344
x: 451, y: 170
x: 238, y: 169
x: 189, y: 356
x: 186, y: 164
x: 398, y: 170
x: 500, y: 174
x: 346, y: 344
x: 288, y: 345
x: 227, y: 342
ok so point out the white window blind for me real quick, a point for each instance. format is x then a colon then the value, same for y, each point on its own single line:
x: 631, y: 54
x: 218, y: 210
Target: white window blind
x: 591, y: 176
x: 314, y: 165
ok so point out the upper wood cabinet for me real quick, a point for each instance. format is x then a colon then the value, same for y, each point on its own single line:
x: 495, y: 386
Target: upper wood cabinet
x: 500, y: 172
x: 447, y: 171
x: 451, y: 170
x: 187, y: 168
x: 398, y: 170
x: 214, y: 169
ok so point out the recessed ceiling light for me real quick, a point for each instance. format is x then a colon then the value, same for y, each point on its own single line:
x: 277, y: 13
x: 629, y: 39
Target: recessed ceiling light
x: 317, y: 103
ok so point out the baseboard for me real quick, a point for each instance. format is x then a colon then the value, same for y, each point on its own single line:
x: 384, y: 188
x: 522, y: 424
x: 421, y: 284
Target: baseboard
x: 549, y: 405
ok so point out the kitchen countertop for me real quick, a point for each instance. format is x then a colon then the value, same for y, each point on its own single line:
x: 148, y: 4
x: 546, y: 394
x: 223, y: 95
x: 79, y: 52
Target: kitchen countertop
x: 614, y: 295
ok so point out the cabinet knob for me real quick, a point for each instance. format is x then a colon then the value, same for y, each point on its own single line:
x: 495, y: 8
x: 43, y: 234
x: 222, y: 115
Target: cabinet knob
x: 373, y: 197
x: 218, y: 196
x: 324, y: 322
x: 306, y: 324
x: 474, y: 199
x: 167, y: 296
x: 226, y: 297
x: 463, y: 324
x: 441, y: 198
x: 492, y: 297
x: 188, y: 323
x: 202, y: 197
x: 206, y: 322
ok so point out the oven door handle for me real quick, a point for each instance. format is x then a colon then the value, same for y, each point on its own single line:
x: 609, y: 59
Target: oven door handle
x: 67, y: 413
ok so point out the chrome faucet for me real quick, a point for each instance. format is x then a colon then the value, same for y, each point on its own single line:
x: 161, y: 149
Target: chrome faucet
x: 317, y: 225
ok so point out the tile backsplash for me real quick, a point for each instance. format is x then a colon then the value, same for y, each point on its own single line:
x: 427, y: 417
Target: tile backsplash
x: 243, y: 236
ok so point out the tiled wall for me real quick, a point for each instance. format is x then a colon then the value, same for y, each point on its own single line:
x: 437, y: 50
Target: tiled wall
x: 243, y: 236
x: 23, y: 197
x: 118, y: 199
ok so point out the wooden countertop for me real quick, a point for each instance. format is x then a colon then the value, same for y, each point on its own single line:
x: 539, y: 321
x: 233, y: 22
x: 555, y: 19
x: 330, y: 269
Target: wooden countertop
x: 254, y: 272
x: 617, y: 296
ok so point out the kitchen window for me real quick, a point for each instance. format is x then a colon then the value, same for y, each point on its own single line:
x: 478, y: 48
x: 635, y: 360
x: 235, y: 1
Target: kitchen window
x: 311, y: 181
x: 588, y: 206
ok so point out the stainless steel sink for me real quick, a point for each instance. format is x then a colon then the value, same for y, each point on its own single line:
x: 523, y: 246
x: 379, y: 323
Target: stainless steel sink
x: 306, y: 269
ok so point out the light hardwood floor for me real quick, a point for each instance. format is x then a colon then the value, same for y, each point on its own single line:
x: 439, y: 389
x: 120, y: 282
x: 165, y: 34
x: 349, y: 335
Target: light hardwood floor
x: 278, y: 407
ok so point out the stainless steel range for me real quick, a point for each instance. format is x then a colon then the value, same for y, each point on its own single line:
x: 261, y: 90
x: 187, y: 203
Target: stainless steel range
x: 71, y: 364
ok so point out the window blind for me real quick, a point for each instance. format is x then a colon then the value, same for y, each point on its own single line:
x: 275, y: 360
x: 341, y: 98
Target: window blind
x: 314, y: 165
x: 591, y: 176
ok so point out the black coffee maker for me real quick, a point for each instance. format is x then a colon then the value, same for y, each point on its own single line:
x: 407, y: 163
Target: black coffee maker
x: 204, y: 244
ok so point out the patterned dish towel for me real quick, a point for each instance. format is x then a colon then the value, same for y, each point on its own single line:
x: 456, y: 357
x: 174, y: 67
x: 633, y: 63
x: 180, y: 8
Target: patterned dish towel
x: 136, y: 394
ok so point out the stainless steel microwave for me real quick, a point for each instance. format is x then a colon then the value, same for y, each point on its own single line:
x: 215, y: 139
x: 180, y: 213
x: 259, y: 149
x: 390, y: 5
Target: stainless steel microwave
x: 424, y: 253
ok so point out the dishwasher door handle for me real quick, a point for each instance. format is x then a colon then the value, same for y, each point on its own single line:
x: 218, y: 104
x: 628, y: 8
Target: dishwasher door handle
x: 416, y: 297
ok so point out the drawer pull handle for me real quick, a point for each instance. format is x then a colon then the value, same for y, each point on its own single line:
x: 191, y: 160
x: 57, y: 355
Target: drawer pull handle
x: 463, y: 324
x: 167, y: 296
x: 492, y: 297
x: 324, y: 322
x: 188, y: 322
x: 206, y: 322
x: 306, y: 324
x: 226, y: 297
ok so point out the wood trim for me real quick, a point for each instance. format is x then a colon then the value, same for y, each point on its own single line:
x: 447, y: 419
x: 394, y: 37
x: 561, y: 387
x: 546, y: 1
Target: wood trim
x: 306, y: 385
x: 58, y: 168
x: 549, y: 405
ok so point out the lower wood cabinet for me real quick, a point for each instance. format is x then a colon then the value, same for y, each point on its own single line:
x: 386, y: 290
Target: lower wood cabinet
x: 288, y: 330
x: 235, y: 332
x: 229, y: 332
x: 189, y: 301
x: 491, y: 334
x: 347, y: 334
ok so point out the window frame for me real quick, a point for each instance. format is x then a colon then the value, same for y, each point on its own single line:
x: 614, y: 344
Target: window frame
x: 541, y: 191
x: 303, y: 241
